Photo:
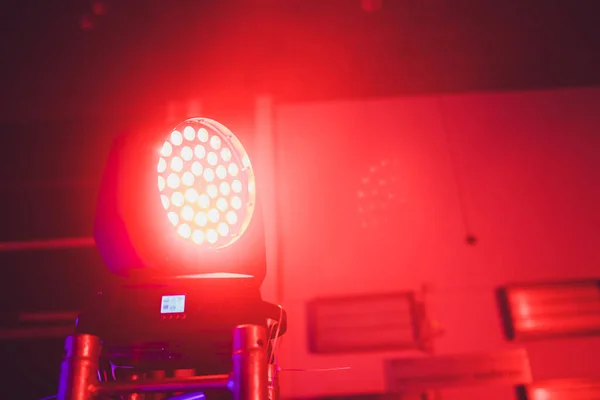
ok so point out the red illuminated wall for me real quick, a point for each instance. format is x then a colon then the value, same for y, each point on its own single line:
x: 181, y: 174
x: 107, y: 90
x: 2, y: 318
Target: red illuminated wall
x: 518, y: 171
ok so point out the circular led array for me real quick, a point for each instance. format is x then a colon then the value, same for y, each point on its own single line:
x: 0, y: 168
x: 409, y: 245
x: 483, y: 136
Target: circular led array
x: 206, y: 183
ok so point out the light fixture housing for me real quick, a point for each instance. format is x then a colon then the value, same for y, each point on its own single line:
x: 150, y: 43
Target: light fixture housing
x: 181, y: 202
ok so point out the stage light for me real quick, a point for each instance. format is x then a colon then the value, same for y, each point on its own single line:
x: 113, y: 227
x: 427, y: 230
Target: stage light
x: 178, y: 212
x: 181, y: 201
x: 209, y: 231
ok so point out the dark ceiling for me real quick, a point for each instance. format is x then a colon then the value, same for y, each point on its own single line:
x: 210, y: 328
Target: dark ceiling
x: 143, y: 53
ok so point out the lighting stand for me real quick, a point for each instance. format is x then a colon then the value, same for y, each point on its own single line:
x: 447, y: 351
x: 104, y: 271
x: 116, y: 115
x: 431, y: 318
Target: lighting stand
x: 251, y: 378
x: 162, y: 338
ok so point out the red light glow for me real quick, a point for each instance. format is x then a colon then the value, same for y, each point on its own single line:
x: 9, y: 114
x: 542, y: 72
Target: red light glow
x: 541, y: 394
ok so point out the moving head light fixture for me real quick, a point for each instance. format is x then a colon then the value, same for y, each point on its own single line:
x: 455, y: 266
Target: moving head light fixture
x: 179, y: 219
x: 181, y: 204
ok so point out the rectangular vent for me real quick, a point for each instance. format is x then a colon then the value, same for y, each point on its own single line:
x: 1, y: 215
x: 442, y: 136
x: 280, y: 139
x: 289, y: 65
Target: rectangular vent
x: 362, y: 323
x: 537, y: 311
x: 509, y: 368
x: 562, y: 389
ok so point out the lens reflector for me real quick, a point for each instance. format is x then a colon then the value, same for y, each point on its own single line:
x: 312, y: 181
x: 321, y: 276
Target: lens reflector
x: 206, y: 183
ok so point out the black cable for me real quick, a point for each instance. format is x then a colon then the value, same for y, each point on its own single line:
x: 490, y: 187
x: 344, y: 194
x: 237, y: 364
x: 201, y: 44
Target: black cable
x: 460, y: 190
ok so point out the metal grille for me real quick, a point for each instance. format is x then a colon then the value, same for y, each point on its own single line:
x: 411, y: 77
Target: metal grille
x: 550, y: 310
x: 510, y: 367
x: 362, y: 323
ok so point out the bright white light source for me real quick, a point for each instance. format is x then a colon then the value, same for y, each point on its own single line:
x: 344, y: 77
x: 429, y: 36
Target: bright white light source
x: 187, y: 213
x: 223, y: 229
x: 197, y: 168
x: 212, y: 191
x: 202, y: 135
x: 224, y: 188
x: 198, y: 236
x: 222, y: 204
x: 166, y: 150
x: 173, y: 181
x: 209, y: 175
x: 236, y: 186
x: 200, y: 151
x: 236, y: 202
x: 176, y: 138
x: 189, y: 133
x: 188, y: 178
x: 215, y: 142
x: 221, y: 172
x: 174, y: 218
x: 212, y: 158
x: 212, y: 236
x: 191, y: 195
x: 226, y: 154
x: 201, y: 219
x: 162, y: 165
x: 176, y: 164
x: 165, y: 201
x: 233, y: 169
x: 184, y: 230
x: 177, y: 199
x: 246, y: 161
x: 206, y: 183
x: 231, y: 217
x: 187, y: 153
x: 213, y: 215
x: 204, y: 200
